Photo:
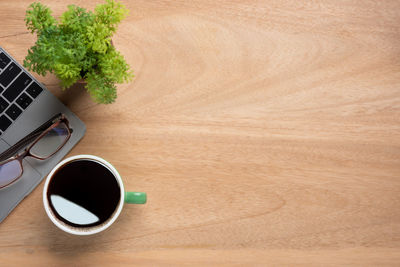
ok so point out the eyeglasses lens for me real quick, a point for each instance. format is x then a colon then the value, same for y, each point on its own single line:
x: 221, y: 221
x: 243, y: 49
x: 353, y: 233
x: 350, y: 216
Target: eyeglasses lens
x: 51, y: 142
x: 9, y: 171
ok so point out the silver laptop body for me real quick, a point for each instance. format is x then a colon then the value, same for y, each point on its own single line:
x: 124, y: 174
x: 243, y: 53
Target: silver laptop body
x: 25, y: 104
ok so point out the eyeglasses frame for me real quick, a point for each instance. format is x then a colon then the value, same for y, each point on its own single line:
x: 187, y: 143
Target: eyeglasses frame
x: 26, y: 153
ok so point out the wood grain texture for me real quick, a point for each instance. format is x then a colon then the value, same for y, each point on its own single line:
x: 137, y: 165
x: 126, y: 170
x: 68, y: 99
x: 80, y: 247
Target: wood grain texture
x: 264, y: 132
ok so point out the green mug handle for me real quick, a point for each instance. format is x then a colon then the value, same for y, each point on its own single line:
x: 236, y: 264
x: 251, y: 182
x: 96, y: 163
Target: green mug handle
x: 135, y: 197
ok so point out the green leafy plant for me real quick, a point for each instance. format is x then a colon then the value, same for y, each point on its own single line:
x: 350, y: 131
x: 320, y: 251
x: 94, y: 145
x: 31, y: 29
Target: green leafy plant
x: 78, y: 46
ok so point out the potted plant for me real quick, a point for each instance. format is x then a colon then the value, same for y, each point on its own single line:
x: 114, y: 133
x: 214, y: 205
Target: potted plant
x: 78, y: 46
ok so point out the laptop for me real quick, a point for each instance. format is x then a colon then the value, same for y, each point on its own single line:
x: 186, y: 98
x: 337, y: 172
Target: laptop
x: 25, y: 104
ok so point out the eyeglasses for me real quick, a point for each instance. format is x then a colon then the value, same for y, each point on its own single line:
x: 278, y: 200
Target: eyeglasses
x: 48, y: 139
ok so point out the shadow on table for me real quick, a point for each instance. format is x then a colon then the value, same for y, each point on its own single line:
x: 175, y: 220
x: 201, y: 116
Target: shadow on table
x: 76, y: 97
x: 67, y: 245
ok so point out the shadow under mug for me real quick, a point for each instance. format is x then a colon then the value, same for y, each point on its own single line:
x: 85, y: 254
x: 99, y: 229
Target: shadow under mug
x: 125, y: 197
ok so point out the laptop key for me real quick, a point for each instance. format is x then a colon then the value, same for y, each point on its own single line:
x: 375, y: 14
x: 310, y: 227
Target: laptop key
x: 4, y: 123
x: 4, y: 60
x: 23, y: 101
x: 34, y: 90
x: 9, y: 74
x: 3, y: 104
x: 17, y: 87
x: 13, y: 111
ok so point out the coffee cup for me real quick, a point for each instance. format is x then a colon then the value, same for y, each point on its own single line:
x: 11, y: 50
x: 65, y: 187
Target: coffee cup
x: 84, y: 195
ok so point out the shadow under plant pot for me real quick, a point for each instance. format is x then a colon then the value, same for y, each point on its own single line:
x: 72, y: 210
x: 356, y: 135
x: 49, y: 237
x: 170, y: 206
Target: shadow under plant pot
x: 76, y: 97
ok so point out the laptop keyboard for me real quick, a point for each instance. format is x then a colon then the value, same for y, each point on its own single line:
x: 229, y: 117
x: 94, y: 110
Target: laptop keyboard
x: 4, y: 60
x: 17, y: 91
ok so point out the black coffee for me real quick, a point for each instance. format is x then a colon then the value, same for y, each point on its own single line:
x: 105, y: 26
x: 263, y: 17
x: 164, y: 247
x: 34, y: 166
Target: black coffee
x: 83, y: 193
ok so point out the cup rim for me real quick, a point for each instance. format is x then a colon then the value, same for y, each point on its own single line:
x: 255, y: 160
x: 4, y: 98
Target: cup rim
x: 96, y: 229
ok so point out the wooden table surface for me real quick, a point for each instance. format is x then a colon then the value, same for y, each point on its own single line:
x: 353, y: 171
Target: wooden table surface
x: 264, y: 132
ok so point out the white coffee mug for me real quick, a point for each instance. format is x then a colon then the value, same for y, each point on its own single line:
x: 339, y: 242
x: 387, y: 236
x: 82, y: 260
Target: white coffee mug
x: 60, y: 222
